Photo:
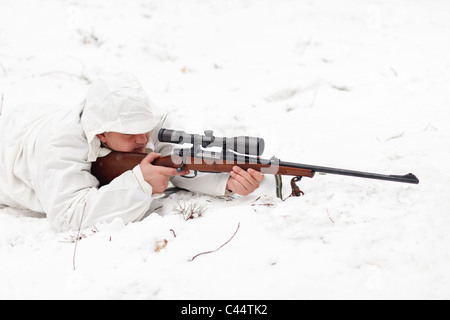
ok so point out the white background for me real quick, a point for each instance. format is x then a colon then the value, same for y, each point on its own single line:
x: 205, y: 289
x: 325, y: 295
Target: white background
x: 361, y: 85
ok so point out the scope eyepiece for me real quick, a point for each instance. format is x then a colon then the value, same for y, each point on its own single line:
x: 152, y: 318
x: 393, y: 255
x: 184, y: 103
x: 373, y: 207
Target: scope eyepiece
x: 243, y: 144
x: 171, y: 136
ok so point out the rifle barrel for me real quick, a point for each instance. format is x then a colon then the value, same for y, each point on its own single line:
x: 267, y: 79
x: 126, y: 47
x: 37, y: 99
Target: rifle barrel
x: 407, y: 178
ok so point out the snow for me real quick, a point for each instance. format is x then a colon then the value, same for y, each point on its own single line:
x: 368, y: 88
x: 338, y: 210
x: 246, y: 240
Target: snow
x: 361, y: 85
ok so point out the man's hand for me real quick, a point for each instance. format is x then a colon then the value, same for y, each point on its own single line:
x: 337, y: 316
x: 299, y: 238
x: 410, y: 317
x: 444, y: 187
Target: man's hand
x: 244, y: 182
x: 157, y: 176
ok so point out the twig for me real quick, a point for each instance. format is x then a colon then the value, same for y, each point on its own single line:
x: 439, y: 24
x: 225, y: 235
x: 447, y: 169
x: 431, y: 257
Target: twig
x: 81, y: 77
x: 394, y: 72
x: 329, y: 217
x: 263, y: 204
x: 174, y: 234
x: 193, y: 210
x: 4, y: 69
x: 78, y: 237
x: 239, y: 224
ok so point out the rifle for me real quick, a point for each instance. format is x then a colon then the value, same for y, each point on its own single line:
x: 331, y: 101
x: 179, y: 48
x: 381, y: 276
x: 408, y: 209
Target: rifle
x: 214, y: 154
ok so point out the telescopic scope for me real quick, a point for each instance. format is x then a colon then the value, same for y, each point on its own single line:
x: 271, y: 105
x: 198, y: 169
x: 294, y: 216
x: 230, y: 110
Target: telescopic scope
x: 243, y: 144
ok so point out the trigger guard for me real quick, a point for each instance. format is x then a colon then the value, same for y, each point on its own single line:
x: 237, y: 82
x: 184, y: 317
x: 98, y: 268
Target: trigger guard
x: 190, y: 177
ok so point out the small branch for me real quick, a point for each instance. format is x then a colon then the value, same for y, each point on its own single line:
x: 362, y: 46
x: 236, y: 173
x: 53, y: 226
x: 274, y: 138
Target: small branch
x: 263, y: 204
x: 78, y: 238
x: 239, y: 224
x: 4, y: 69
x: 329, y: 217
x: 81, y: 77
x: 191, y: 211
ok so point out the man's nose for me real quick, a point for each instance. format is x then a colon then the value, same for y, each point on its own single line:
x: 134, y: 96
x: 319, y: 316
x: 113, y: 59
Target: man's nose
x: 141, y: 138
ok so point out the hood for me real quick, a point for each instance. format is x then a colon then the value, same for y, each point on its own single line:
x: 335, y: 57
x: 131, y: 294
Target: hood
x: 116, y: 103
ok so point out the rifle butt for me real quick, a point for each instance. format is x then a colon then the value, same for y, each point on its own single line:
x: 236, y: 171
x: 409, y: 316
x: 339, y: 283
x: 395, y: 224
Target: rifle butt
x: 109, y: 167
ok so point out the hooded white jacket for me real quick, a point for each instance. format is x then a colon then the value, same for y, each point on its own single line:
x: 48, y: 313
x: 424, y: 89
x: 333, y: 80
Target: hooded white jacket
x: 45, y: 159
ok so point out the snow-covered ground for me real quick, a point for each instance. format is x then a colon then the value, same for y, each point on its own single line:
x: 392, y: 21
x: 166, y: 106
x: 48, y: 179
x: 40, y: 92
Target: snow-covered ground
x: 361, y: 85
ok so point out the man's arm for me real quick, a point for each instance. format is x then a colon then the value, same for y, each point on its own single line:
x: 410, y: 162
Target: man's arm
x: 69, y: 193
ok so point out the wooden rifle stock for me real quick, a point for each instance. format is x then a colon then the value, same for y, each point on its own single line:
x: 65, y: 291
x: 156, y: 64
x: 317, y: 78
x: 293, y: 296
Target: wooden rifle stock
x: 107, y: 168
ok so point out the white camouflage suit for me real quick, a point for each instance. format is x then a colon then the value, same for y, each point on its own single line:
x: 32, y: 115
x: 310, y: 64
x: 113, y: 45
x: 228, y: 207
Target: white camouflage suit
x: 45, y: 159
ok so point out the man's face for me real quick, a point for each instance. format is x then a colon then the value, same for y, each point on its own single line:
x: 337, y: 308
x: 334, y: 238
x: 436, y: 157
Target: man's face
x: 125, y: 142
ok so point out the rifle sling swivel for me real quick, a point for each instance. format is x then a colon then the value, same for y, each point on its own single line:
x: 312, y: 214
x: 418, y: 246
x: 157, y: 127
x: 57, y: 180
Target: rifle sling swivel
x: 296, y: 192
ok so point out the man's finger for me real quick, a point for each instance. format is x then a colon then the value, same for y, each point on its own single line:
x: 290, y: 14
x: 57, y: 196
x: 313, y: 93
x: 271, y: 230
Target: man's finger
x: 152, y: 156
x: 238, y: 187
x: 171, y: 171
x: 247, y: 176
x: 242, y: 181
x: 256, y: 174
